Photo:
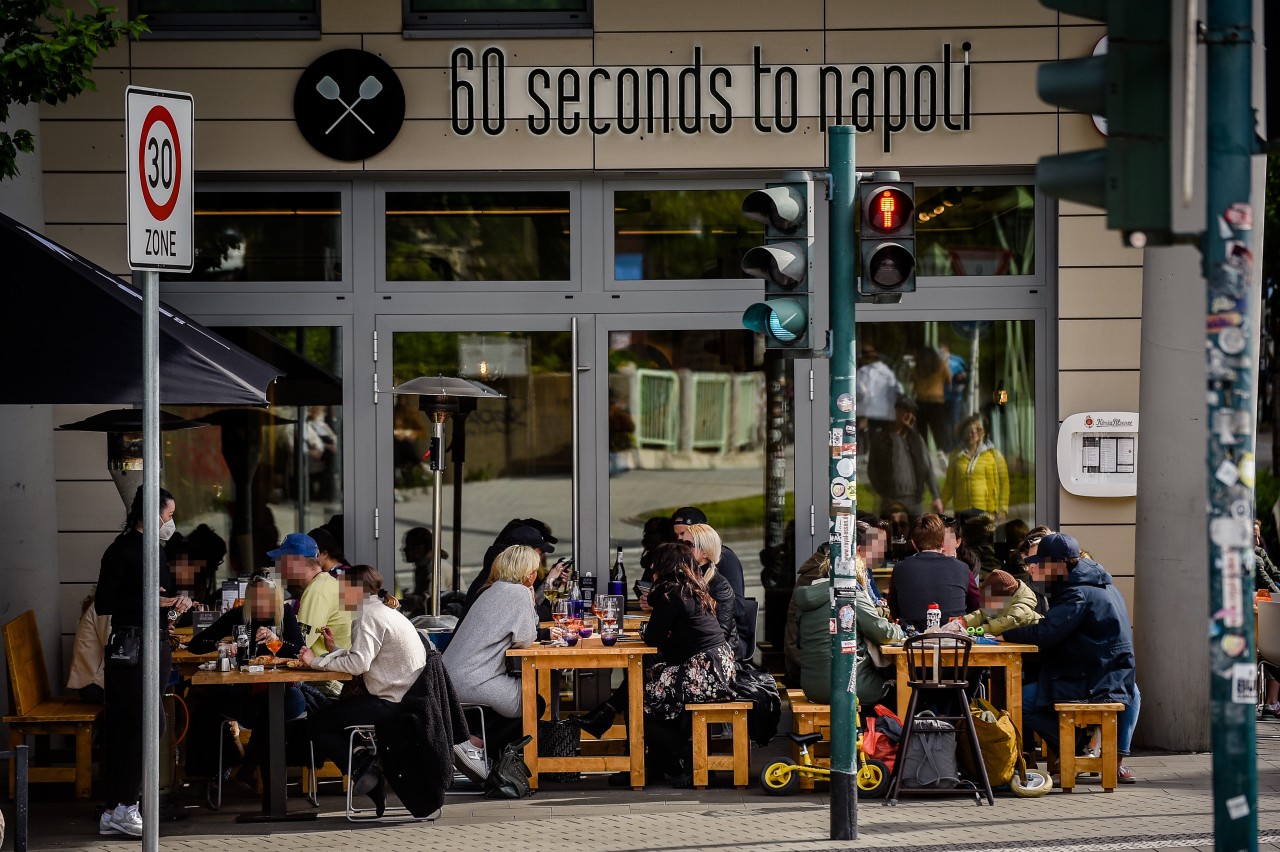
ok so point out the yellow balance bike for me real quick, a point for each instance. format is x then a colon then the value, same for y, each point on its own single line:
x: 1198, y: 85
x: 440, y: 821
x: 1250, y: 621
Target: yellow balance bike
x: 782, y: 776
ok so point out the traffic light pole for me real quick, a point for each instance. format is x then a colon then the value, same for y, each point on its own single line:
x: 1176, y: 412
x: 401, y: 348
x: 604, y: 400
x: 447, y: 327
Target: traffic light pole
x: 1228, y: 271
x: 843, y: 492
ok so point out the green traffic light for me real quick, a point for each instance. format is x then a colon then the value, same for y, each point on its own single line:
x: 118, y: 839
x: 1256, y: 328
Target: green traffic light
x: 785, y: 320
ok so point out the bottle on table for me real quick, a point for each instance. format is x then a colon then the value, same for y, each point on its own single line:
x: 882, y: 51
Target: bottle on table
x: 933, y: 618
x: 575, y: 595
x: 588, y: 591
x: 618, y: 576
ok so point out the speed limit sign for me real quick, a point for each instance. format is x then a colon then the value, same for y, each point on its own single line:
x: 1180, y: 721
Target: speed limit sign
x: 159, y: 175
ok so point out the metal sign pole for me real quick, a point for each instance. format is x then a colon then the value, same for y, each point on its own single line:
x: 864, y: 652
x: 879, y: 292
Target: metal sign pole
x: 150, y: 804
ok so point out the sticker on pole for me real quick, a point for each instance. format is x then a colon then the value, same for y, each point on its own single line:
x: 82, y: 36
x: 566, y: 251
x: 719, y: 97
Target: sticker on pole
x: 159, y: 172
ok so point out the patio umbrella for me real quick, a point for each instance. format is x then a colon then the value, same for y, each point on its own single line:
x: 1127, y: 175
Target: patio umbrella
x: 78, y: 332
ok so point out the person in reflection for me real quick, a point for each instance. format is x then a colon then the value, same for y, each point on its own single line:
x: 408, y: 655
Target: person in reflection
x: 977, y: 476
x: 418, y: 550
x: 930, y: 377
x: 899, y: 466
x: 878, y: 389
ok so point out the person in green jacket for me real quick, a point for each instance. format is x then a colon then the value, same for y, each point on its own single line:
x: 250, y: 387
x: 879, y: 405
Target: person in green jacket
x: 813, y: 619
x: 1007, y: 603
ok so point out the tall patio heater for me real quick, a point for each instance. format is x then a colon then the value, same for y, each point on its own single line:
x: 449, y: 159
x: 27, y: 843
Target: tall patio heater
x: 438, y: 397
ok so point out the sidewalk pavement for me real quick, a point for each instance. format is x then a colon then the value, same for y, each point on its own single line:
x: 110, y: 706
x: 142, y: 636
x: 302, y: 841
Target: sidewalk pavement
x: 1169, y: 808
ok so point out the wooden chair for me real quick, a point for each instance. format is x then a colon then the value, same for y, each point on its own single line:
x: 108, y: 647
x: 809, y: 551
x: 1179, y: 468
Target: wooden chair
x: 810, y: 718
x: 38, y: 712
x: 1072, y: 716
x: 734, y: 713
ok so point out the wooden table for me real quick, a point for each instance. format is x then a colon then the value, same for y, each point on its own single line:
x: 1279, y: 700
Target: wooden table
x: 1005, y: 655
x: 587, y: 654
x: 188, y: 663
x: 274, y: 807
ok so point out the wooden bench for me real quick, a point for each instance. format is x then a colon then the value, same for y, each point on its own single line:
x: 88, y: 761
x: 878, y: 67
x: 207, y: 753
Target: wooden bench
x: 735, y: 714
x: 810, y: 718
x: 1072, y: 716
x: 37, y: 712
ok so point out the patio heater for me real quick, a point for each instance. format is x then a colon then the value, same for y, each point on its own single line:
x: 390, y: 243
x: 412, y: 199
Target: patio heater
x: 438, y: 397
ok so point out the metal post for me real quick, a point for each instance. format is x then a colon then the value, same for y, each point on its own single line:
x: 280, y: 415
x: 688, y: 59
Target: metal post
x: 1228, y: 271
x: 437, y: 504
x: 575, y: 484
x: 21, y: 798
x: 150, y: 803
x: 843, y: 495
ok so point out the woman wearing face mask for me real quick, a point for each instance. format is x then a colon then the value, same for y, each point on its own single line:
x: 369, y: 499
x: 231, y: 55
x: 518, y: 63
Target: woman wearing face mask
x: 120, y: 595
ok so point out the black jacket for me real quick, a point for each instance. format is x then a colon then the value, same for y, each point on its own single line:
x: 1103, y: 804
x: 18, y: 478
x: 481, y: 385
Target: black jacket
x: 416, y: 747
x: 207, y: 640
x: 726, y: 607
x: 1086, y: 640
x: 931, y: 577
x: 119, y: 592
x: 680, y: 628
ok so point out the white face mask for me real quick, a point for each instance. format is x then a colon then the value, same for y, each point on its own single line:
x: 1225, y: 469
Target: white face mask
x: 167, y: 529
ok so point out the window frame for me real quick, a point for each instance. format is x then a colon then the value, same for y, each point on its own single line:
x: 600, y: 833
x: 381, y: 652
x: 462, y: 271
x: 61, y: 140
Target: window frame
x: 242, y: 24
x: 458, y: 23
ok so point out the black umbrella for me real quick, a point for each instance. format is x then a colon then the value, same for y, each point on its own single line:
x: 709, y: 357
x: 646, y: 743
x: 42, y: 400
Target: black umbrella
x: 76, y: 332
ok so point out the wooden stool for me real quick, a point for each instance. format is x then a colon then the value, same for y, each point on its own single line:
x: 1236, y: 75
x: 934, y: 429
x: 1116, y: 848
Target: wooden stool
x: 1072, y: 716
x: 809, y: 718
x: 735, y: 713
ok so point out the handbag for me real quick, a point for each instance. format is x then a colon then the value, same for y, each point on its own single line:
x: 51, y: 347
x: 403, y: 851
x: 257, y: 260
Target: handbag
x: 998, y: 739
x: 559, y: 739
x: 509, y: 777
x: 884, y: 731
x: 124, y: 648
x: 930, y: 760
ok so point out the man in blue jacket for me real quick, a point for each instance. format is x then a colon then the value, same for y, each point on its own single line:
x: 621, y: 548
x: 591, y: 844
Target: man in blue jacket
x: 1085, y: 641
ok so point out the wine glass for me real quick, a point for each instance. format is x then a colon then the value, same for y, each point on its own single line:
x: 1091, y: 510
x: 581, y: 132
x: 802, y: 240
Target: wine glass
x: 274, y: 643
x: 560, y: 613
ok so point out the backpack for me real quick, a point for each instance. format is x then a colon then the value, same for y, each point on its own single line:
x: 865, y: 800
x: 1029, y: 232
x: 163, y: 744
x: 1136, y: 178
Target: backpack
x: 930, y: 760
x: 509, y: 777
x: 758, y: 687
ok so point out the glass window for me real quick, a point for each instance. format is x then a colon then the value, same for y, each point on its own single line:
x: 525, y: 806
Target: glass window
x: 478, y: 236
x: 521, y: 14
x: 967, y: 424
x: 509, y: 458
x: 664, y: 235
x: 267, y: 236
x: 975, y: 230
x: 224, y: 16
x: 246, y: 481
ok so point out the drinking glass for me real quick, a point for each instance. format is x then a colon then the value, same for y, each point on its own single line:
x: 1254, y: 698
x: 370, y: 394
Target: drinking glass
x: 274, y: 644
x: 560, y: 613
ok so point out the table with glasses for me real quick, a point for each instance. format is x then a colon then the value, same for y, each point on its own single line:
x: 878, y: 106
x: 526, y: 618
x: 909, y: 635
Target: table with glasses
x: 590, y: 653
x: 1004, y: 655
x: 274, y: 807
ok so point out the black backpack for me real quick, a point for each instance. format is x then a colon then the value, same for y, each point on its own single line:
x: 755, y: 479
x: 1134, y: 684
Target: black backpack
x: 758, y: 687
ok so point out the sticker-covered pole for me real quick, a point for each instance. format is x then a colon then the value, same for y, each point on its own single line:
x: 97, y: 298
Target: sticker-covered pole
x: 1228, y: 270
x: 843, y: 497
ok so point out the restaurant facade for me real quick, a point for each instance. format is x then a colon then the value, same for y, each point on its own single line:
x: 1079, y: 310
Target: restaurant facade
x: 547, y: 201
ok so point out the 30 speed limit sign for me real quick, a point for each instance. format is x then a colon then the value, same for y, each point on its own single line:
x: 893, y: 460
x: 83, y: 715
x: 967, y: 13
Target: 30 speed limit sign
x: 159, y: 174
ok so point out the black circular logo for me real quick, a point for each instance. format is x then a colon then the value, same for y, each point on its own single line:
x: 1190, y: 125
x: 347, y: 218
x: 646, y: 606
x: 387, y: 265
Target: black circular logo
x: 349, y: 104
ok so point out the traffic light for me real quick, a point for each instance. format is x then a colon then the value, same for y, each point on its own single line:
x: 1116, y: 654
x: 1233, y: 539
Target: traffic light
x: 887, y: 238
x: 1130, y: 86
x: 784, y: 262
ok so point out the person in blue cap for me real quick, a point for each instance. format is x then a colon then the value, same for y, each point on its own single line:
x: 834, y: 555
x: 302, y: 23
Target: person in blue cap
x: 1085, y: 641
x: 319, y: 607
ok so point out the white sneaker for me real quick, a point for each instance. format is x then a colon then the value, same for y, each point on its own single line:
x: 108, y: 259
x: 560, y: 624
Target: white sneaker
x: 469, y: 760
x: 105, y: 827
x: 127, y: 820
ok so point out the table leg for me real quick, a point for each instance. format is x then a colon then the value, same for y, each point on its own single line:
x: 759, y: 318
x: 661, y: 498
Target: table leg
x: 274, y: 805
x: 1013, y: 688
x: 529, y: 710
x: 635, y: 720
x: 903, y: 688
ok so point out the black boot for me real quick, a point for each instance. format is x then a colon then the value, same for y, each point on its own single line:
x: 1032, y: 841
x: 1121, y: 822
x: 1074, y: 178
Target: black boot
x: 379, y: 796
x: 597, y: 722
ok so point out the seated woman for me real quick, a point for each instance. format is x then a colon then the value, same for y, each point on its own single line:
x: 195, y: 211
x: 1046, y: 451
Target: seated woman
x: 386, y: 650
x: 501, y: 618
x: 706, y: 550
x: 262, y: 614
x: 693, y: 664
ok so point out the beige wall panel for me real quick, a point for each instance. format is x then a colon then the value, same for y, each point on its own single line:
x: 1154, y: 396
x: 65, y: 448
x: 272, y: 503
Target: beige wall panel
x: 742, y: 147
x: 401, y: 52
x: 1080, y: 41
x: 1108, y: 390
x: 95, y: 197
x: 220, y: 93
x: 80, y: 554
x: 258, y: 146
x: 1085, y: 241
x: 365, y: 16
x: 107, y: 101
x: 83, y: 146
x: 1073, y: 510
x: 433, y: 146
x: 1107, y: 291
x: 1071, y: 208
x: 903, y: 46
x: 684, y: 16
x: 718, y: 48
x: 1077, y: 132
x: 1125, y: 585
x: 248, y: 53
x: 1111, y: 544
x: 79, y: 455
x: 1099, y: 344
x: 841, y: 14
x: 105, y: 245
x: 89, y: 506
x: 995, y: 140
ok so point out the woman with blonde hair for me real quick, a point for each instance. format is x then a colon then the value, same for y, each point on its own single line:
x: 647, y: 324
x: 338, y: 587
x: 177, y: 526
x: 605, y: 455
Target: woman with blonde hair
x: 706, y: 551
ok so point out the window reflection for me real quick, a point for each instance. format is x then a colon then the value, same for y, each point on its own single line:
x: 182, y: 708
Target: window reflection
x: 478, y: 236
x: 975, y: 230
x: 681, y: 234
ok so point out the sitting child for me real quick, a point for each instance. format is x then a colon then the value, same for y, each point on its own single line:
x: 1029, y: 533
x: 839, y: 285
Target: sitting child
x: 1006, y: 603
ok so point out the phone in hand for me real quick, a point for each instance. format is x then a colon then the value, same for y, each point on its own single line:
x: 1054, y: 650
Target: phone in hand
x: 642, y: 588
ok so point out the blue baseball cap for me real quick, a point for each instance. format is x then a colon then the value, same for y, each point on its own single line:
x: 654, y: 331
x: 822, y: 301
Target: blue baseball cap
x: 1055, y: 547
x: 296, y: 544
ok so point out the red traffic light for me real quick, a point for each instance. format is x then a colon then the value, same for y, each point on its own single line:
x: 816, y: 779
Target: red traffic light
x: 888, y: 209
